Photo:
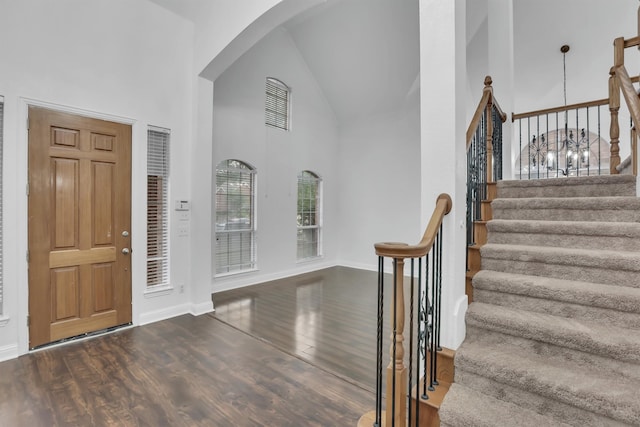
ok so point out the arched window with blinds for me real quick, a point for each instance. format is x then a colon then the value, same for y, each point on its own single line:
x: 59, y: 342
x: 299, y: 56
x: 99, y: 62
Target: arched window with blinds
x: 157, y: 207
x: 309, y: 215
x: 235, y: 217
x: 277, y: 104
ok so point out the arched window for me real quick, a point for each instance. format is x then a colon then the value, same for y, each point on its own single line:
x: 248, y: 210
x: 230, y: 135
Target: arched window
x: 277, y: 104
x: 309, y: 216
x: 235, y: 217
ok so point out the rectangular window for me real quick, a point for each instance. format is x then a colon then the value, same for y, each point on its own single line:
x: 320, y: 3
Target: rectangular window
x: 277, y: 104
x: 308, y: 215
x: 157, y: 207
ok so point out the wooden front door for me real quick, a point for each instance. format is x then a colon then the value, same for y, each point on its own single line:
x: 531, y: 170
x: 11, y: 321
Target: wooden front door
x: 79, y: 225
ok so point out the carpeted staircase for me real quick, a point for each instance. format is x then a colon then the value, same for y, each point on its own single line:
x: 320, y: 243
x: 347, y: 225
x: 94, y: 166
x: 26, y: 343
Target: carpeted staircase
x: 553, y: 334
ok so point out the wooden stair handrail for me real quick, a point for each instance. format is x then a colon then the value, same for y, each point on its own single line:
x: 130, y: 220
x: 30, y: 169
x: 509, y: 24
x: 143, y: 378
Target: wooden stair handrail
x: 403, y: 250
x: 487, y: 99
x: 596, y: 103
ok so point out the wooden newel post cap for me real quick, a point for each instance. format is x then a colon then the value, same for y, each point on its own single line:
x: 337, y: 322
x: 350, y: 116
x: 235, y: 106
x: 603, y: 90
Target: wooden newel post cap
x: 487, y: 81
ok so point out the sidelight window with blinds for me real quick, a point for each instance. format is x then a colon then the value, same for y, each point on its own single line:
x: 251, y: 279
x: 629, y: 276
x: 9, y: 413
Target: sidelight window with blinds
x: 157, y: 206
x: 309, y: 215
x: 277, y: 104
x: 235, y: 217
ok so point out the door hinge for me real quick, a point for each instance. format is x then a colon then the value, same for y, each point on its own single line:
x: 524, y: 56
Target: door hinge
x: 27, y: 256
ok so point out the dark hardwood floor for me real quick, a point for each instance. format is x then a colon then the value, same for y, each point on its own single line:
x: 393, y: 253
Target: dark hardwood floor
x: 190, y: 371
x: 327, y: 318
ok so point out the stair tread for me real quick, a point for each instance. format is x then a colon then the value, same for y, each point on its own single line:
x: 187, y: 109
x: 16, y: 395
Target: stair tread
x: 578, y: 334
x: 465, y: 407
x: 558, y: 378
x: 590, y: 228
x: 621, y: 298
x: 610, y: 259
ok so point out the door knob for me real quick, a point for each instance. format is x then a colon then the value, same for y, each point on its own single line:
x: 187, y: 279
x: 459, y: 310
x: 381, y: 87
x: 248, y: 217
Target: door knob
x: 125, y: 251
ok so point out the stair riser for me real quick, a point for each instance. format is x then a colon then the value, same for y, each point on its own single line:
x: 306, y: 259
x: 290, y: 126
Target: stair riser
x: 567, y: 214
x: 567, y: 191
x: 587, y: 274
x: 558, y: 308
x: 549, y: 406
x: 566, y: 240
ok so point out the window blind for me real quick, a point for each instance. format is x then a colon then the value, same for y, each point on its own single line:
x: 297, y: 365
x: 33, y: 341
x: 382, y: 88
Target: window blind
x: 1, y: 237
x: 277, y: 104
x: 235, y: 221
x: 157, y: 207
x: 308, y: 215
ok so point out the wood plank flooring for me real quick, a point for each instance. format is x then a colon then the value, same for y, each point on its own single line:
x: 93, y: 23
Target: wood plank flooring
x: 185, y: 371
x: 327, y: 317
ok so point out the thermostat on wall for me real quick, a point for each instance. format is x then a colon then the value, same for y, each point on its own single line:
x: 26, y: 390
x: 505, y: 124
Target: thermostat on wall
x: 183, y: 205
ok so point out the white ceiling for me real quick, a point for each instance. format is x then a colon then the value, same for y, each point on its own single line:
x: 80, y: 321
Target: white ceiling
x: 364, y: 54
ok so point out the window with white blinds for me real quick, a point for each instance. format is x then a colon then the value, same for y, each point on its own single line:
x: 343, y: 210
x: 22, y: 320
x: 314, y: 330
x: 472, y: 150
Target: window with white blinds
x: 235, y: 219
x: 309, y: 216
x: 1, y: 237
x: 157, y: 207
x: 277, y: 104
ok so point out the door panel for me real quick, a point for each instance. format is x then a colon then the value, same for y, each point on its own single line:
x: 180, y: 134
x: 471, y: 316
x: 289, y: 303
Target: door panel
x: 79, y: 206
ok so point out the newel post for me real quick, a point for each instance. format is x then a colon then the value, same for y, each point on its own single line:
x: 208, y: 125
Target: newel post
x: 614, y: 130
x: 489, y: 122
x: 396, y: 403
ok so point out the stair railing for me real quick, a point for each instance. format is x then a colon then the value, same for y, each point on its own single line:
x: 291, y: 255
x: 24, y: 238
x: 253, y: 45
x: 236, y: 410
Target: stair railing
x: 403, y: 387
x: 484, y: 155
x: 620, y: 81
x: 562, y: 141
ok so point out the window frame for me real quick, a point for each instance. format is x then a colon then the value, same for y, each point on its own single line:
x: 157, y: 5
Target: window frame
x: 241, y: 267
x: 158, y: 176
x: 309, y: 176
x: 277, y: 108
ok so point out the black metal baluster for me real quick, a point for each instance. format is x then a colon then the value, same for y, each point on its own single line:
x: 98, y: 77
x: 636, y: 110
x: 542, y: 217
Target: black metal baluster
x: 410, y: 376
x: 378, y: 421
x: 425, y: 325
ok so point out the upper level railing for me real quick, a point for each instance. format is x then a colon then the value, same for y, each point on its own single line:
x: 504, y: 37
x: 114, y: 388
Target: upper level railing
x: 484, y: 154
x: 401, y: 384
x: 562, y: 141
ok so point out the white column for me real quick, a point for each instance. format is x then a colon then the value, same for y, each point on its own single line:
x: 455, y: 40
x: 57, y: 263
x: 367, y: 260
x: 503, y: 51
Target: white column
x: 443, y: 145
x: 501, y: 60
x: 201, y: 200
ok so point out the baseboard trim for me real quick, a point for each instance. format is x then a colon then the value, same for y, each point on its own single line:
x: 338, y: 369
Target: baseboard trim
x: 221, y: 285
x: 9, y: 352
x: 165, y: 313
x: 202, y: 308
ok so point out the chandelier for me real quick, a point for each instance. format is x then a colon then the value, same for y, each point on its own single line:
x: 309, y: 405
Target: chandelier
x: 564, y: 151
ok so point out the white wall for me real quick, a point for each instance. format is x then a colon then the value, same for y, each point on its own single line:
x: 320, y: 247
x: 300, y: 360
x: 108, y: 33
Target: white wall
x: 239, y: 133
x: 379, y: 162
x: 123, y: 60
